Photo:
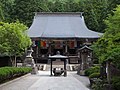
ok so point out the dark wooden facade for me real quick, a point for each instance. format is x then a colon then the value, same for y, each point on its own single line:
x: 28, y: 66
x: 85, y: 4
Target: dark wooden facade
x: 66, y: 47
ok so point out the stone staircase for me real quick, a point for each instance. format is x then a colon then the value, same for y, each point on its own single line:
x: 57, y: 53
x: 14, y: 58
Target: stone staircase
x: 57, y: 63
x: 46, y: 67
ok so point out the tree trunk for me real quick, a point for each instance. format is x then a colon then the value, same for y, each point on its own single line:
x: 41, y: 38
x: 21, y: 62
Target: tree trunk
x: 13, y: 61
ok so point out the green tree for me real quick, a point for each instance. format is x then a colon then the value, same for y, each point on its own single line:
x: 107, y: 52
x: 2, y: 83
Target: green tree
x: 64, y: 6
x: 1, y: 14
x: 95, y: 11
x: 72, y: 6
x: 5, y: 9
x: 13, y: 40
x: 108, y: 47
x: 24, y: 10
x: 57, y: 6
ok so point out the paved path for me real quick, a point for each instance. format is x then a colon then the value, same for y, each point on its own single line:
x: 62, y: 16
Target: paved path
x: 43, y: 81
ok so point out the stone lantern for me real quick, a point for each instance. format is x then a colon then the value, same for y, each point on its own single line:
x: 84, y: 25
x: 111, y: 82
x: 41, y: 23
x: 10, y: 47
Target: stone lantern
x: 85, y: 58
x: 29, y: 61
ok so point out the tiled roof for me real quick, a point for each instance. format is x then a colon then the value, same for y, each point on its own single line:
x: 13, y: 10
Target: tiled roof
x: 60, y: 25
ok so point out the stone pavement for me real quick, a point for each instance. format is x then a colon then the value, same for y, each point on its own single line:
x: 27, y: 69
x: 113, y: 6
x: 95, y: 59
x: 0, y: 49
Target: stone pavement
x: 42, y: 81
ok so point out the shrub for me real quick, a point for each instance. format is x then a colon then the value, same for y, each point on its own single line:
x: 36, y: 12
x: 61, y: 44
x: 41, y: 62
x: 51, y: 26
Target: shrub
x: 116, y: 82
x: 98, y: 85
x: 7, y: 73
x: 94, y: 75
x: 89, y: 71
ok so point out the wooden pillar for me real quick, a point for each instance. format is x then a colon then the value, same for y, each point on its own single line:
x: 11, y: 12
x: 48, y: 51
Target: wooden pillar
x: 49, y: 50
x: 51, y: 68
x: 66, y: 47
x: 75, y: 43
x: 37, y: 51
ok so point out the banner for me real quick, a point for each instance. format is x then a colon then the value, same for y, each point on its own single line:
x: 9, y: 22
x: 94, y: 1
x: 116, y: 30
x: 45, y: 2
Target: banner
x: 71, y: 44
x: 58, y: 44
x: 37, y: 43
x: 43, y: 43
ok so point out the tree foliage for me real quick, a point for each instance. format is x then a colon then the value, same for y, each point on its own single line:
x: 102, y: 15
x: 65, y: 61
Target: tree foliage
x: 13, y: 39
x: 95, y: 12
x: 1, y: 14
x: 108, y: 47
x: 24, y: 10
x: 5, y: 9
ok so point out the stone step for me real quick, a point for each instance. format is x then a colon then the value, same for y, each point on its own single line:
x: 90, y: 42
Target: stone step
x: 46, y: 67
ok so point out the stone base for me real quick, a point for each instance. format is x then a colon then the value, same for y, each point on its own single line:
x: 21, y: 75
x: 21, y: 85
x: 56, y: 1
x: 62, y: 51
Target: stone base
x: 34, y: 70
x: 82, y: 72
x: 29, y: 62
x: 108, y: 87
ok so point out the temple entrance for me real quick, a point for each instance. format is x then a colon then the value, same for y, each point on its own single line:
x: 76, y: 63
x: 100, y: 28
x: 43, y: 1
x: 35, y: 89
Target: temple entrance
x: 60, y: 50
x: 58, y: 45
x: 72, y: 51
x: 43, y: 51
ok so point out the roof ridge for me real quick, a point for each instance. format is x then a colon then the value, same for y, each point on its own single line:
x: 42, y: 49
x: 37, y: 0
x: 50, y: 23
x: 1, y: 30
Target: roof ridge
x: 58, y: 13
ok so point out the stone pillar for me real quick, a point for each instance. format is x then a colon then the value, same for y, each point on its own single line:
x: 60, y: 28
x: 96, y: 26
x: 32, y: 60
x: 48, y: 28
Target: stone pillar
x: 51, y: 67
x: 65, y: 71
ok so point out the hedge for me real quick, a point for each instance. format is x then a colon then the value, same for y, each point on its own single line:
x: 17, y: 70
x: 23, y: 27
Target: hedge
x: 89, y: 71
x: 7, y: 73
x: 94, y: 75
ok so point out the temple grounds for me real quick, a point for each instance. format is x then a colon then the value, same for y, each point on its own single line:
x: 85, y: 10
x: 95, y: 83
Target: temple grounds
x: 43, y: 81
